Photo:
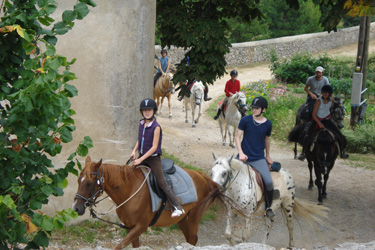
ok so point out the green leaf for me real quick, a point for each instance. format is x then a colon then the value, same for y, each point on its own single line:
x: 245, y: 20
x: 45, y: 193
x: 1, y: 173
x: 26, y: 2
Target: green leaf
x: 89, y: 2
x: 35, y: 204
x: 81, y: 10
x: 82, y: 150
x: 54, y: 64
x: 71, y: 90
x: 51, y: 39
x: 37, y: 219
x: 41, y: 239
x: 87, y: 141
x: 68, y: 16
x: 66, y: 135
x: 47, y: 224
x: 7, y: 201
x: 72, y: 156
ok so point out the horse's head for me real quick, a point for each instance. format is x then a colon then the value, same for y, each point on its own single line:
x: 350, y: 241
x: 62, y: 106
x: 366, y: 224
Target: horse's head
x: 221, y: 172
x: 90, y: 186
x: 240, y: 101
x: 168, y: 83
x: 338, y: 113
x: 197, y: 92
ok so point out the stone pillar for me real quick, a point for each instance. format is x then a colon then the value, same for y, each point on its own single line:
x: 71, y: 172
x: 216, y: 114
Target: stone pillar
x: 114, y: 48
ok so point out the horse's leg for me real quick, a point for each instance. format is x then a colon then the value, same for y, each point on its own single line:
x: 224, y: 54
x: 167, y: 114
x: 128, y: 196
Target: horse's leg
x: 161, y: 104
x: 228, y: 228
x: 186, y: 111
x: 169, y: 105
x: 246, y: 230
x: 132, y: 236
x: 287, y: 207
x: 193, y: 106
x: 223, y: 136
x: 311, y: 183
x: 295, y: 150
x: 185, y: 226
x: 199, y: 112
x: 157, y: 105
x: 324, y: 193
x: 318, y: 183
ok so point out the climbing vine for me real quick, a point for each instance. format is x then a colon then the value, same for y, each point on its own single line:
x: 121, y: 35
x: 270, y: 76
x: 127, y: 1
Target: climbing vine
x: 36, y: 118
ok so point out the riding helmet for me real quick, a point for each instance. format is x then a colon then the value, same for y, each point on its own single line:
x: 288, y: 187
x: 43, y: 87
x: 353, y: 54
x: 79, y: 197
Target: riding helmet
x: 327, y: 89
x: 163, y: 50
x: 148, y: 104
x: 234, y: 73
x: 259, y: 102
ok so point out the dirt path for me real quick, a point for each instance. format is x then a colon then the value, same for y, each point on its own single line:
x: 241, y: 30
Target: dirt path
x: 350, y: 190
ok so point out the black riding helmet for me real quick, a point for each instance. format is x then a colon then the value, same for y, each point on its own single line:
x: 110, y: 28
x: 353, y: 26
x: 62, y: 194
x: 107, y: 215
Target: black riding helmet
x: 327, y: 89
x: 148, y: 104
x: 259, y: 102
x: 234, y: 73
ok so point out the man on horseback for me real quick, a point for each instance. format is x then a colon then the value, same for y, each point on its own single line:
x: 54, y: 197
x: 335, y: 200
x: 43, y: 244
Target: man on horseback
x: 256, y: 131
x: 322, y: 119
x: 313, y: 87
x: 188, y: 84
x: 149, y: 147
x: 163, y: 65
x: 232, y: 86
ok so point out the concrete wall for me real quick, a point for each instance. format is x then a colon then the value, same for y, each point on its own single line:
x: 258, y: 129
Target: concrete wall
x: 258, y: 51
x: 114, y: 47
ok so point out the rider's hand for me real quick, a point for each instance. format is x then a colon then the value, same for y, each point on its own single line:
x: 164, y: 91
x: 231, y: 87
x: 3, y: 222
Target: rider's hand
x: 242, y: 157
x: 269, y: 162
x: 132, y: 155
x: 321, y: 125
x: 313, y: 96
x: 137, y: 162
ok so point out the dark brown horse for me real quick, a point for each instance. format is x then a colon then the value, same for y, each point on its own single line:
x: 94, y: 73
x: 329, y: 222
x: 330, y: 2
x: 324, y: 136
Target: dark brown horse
x: 124, y: 183
x: 322, y: 155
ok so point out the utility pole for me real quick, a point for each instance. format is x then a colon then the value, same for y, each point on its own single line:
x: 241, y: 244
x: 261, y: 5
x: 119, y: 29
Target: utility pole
x: 358, y: 101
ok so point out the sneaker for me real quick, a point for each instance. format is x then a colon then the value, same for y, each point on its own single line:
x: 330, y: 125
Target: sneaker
x: 180, y: 98
x: 177, y: 212
x: 301, y: 157
x: 215, y: 117
x: 270, y: 213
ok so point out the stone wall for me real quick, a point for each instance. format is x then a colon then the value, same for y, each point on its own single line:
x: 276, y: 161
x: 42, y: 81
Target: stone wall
x: 258, y: 51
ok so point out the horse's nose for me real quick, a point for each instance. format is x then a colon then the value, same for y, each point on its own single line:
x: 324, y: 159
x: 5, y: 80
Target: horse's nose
x: 197, y: 102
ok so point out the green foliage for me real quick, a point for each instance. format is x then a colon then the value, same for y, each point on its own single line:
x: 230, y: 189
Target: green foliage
x: 244, y: 32
x: 35, y: 118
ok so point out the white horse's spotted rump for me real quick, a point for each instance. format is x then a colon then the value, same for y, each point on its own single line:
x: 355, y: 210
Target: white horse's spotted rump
x: 239, y: 183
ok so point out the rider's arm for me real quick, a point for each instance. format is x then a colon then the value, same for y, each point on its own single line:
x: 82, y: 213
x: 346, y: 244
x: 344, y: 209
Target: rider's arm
x: 169, y: 63
x: 159, y: 65
x: 268, y: 144
x: 132, y: 155
x: 314, y: 114
x: 237, y: 139
x: 151, y: 151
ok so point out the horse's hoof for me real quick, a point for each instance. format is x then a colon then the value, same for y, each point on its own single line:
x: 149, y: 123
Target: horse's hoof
x: 170, y: 117
x: 310, y: 188
x: 320, y: 203
x: 194, y: 125
x: 186, y: 121
x: 224, y: 144
x: 324, y: 196
x: 196, y: 121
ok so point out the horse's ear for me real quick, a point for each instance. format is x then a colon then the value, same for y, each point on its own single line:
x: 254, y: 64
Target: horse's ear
x: 88, y: 159
x: 97, y: 165
x: 229, y: 159
x: 215, y: 157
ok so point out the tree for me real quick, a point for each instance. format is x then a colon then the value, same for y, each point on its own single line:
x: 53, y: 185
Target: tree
x: 36, y: 118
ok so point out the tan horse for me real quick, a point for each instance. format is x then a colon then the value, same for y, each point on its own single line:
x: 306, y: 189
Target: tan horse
x: 124, y: 183
x: 164, y: 87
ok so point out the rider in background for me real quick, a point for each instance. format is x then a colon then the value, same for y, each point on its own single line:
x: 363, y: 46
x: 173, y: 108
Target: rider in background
x: 322, y: 119
x: 188, y: 85
x: 256, y: 131
x: 149, y: 148
x: 232, y: 86
x: 314, y: 85
x: 163, y: 65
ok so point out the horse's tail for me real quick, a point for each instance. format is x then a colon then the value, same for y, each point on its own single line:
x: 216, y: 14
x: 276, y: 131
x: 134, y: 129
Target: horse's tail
x: 295, y: 133
x: 313, y: 214
x: 214, y: 193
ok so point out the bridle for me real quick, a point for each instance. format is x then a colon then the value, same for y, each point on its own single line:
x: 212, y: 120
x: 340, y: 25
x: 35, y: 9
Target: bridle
x: 241, y: 107
x: 91, y: 200
x: 165, y: 90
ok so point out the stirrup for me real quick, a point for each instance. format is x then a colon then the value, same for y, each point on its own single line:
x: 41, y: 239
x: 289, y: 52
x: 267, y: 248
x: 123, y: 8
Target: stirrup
x: 177, y: 212
x: 270, y: 213
x: 207, y: 99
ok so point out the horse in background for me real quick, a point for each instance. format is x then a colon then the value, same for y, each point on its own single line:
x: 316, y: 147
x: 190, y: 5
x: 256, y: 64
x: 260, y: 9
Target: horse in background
x: 235, y: 109
x: 124, y: 185
x: 302, y: 121
x: 195, y: 99
x: 322, y: 152
x: 164, y: 87
x: 243, y: 195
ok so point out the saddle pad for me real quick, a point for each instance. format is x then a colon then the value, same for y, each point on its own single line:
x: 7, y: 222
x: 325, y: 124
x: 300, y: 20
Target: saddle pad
x: 221, y: 102
x: 183, y: 187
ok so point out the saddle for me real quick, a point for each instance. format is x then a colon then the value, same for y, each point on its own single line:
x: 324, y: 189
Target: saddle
x: 168, y: 169
x: 275, y: 167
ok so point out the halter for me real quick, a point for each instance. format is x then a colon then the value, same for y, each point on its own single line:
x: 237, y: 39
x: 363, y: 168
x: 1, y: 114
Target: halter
x: 165, y: 90
x: 240, y: 106
x: 91, y: 200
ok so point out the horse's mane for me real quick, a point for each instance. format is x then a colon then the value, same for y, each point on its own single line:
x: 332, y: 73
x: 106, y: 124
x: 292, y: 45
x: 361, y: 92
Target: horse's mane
x: 118, y: 173
x: 237, y: 165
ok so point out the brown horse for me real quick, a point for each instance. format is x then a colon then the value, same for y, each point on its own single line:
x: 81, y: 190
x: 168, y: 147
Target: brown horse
x: 123, y: 183
x: 164, y: 88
